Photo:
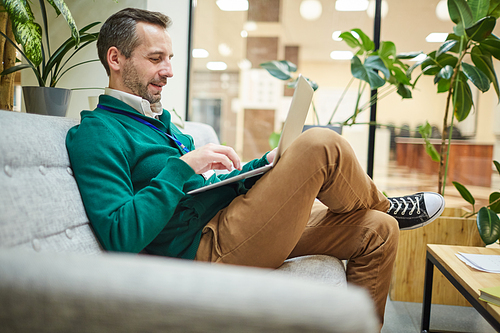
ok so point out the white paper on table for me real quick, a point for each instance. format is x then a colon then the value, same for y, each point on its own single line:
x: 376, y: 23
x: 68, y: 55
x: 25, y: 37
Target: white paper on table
x: 483, y: 262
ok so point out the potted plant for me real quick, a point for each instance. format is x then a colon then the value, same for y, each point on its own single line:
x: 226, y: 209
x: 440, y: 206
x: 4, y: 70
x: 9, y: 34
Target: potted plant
x: 47, y: 66
x: 488, y: 223
x: 465, y: 57
x: 365, y: 65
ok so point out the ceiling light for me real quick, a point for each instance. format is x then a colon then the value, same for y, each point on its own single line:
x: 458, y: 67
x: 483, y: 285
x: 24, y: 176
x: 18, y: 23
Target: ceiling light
x: 232, y: 5
x: 217, y: 65
x: 383, y: 10
x: 244, y: 33
x: 244, y: 64
x: 341, y: 55
x: 436, y: 37
x: 336, y: 35
x: 225, y: 50
x: 310, y: 9
x: 351, y: 5
x: 200, y: 53
x: 250, y: 26
x: 442, y: 11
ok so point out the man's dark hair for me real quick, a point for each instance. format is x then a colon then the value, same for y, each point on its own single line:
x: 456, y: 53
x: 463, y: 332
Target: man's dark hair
x: 119, y: 30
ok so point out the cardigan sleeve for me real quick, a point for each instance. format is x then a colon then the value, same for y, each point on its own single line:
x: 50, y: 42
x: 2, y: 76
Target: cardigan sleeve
x: 123, y: 220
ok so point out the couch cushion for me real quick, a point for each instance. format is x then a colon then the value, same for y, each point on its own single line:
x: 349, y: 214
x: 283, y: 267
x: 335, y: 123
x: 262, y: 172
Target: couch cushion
x: 322, y: 268
x: 201, y: 133
x: 40, y: 202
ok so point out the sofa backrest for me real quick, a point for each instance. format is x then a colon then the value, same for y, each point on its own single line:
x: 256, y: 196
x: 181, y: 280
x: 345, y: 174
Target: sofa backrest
x: 40, y: 205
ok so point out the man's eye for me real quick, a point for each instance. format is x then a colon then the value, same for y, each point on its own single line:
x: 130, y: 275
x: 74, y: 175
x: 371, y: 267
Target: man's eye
x: 155, y: 59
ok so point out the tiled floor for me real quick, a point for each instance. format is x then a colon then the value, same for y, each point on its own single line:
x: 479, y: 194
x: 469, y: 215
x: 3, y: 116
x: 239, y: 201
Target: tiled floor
x: 403, y: 317
x: 397, y: 181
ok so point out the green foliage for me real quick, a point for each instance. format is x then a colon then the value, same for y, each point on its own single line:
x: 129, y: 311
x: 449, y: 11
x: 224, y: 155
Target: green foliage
x: 48, y: 67
x: 426, y: 131
x: 274, y: 139
x: 474, y: 23
x: 488, y: 223
x: 366, y: 66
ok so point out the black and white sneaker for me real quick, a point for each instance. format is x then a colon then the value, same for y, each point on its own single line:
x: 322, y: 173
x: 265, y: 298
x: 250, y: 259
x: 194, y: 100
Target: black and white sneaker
x: 416, y: 210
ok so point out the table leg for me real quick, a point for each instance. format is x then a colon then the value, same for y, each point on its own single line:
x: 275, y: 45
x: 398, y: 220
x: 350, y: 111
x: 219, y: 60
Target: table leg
x: 426, y: 305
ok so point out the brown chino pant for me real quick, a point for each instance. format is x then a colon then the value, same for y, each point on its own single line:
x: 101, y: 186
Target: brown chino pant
x: 279, y: 218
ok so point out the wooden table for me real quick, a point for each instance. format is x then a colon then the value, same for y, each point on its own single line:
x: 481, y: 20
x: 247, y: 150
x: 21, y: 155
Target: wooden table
x: 467, y: 280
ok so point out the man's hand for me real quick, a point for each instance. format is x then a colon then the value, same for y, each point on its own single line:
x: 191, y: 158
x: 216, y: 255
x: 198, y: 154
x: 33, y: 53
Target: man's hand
x: 272, y: 154
x: 212, y: 157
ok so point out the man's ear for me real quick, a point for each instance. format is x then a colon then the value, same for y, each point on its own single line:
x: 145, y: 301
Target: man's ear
x: 115, y: 59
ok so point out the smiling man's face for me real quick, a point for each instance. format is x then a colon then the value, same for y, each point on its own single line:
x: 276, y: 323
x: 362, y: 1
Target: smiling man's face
x: 146, y: 71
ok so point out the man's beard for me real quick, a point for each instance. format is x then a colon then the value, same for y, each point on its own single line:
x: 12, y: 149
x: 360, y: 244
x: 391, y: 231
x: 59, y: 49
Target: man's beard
x: 131, y: 80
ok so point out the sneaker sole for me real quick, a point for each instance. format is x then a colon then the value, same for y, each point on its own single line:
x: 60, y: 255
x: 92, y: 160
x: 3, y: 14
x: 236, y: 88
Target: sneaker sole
x: 432, y: 218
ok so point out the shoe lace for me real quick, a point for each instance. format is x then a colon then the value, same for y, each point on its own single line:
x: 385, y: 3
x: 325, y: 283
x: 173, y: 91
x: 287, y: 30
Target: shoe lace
x: 406, y: 204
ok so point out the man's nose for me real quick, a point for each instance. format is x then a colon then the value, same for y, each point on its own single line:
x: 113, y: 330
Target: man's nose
x: 166, y: 69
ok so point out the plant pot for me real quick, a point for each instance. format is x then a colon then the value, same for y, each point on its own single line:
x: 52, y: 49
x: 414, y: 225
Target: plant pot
x: 407, y: 283
x: 336, y: 128
x: 46, y: 100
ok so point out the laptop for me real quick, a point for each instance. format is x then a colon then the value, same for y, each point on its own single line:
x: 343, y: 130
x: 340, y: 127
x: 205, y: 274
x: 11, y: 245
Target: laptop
x: 292, y: 128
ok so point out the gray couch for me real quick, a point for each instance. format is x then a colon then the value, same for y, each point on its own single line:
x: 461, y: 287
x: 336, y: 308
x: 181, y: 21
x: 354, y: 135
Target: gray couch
x: 55, y: 277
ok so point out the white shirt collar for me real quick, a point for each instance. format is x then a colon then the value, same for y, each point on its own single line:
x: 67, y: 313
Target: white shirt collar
x: 138, y: 103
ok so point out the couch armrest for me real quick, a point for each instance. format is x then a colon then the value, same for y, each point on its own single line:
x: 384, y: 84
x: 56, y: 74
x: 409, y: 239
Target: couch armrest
x: 134, y: 293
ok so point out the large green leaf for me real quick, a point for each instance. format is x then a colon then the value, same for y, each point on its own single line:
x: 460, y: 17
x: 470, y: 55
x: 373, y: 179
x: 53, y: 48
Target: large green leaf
x: 426, y: 131
x: 494, y: 9
x: 443, y: 85
x: 446, y: 46
x: 461, y: 15
x: 29, y: 35
x: 446, y: 72
x: 366, y: 71
x: 488, y: 225
x: 62, y: 9
x: 492, y: 45
x: 386, y: 50
x: 408, y: 55
x: 496, y: 204
x: 400, y: 75
x: 14, y: 69
x: 462, y: 100
x: 351, y: 41
x: 477, y: 77
x: 404, y: 91
x: 274, y: 139
x: 366, y: 43
x: 479, y: 8
x: 481, y: 29
x: 279, y: 69
x: 497, y: 166
x: 464, y: 192
x: 432, y: 65
x: 483, y: 60
x: 26, y: 31
x: 456, y: 47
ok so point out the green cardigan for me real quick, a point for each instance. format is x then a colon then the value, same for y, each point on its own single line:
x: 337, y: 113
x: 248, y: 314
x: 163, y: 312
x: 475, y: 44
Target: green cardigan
x: 133, y: 183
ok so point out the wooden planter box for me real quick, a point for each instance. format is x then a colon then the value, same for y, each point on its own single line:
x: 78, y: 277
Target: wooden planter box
x: 407, y: 283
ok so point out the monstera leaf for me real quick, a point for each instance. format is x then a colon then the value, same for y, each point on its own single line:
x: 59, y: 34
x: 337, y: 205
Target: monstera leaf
x: 280, y: 69
x: 366, y: 71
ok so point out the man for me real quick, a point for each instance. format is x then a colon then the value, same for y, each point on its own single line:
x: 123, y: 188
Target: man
x: 134, y: 168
